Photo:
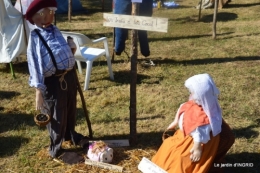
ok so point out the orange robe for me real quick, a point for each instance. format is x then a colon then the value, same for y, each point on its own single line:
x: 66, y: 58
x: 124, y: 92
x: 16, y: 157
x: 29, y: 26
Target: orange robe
x: 174, y: 154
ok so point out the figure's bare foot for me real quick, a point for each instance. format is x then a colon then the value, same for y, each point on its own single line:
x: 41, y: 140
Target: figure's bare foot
x: 196, y: 152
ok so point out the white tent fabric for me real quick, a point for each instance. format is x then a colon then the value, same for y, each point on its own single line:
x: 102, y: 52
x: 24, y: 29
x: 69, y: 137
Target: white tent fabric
x: 12, y: 34
x: 22, y: 6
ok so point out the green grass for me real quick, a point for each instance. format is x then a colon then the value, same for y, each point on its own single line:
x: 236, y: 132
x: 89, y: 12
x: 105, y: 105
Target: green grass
x: 185, y: 50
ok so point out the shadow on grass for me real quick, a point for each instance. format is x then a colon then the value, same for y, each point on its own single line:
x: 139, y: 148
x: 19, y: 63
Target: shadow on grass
x: 15, y: 121
x: 147, y: 140
x: 242, y: 5
x: 246, y: 132
x: 191, y: 37
x: 221, y: 17
x: 207, y: 60
x: 124, y: 77
x: 18, y: 67
x: 10, y: 145
x: 8, y: 94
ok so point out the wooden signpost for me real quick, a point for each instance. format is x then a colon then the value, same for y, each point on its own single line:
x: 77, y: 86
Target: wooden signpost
x: 135, y: 23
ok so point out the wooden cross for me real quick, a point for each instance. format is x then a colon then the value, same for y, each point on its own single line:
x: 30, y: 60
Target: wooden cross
x: 135, y: 23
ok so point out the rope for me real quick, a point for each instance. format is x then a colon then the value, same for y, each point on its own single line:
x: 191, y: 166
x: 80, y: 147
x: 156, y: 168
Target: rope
x: 62, y: 80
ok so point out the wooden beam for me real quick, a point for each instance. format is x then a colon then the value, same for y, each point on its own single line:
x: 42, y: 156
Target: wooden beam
x: 134, y: 51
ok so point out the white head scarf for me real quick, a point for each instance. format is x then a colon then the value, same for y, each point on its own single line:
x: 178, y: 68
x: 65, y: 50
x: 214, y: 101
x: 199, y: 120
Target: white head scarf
x: 205, y: 93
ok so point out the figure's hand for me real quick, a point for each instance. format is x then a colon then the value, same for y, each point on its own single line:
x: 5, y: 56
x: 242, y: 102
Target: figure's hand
x: 72, y: 44
x: 173, y: 124
x: 196, y: 152
x: 39, y: 99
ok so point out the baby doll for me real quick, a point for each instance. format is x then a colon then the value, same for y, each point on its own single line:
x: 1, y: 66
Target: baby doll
x: 100, y: 152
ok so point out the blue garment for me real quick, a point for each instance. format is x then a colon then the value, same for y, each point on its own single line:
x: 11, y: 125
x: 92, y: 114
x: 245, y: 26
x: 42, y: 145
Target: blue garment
x: 125, y: 7
x: 39, y: 61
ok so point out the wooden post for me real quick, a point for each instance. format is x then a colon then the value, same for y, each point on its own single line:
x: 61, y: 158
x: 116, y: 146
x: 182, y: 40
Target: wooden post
x: 200, y: 10
x: 134, y: 51
x: 135, y: 23
x: 69, y: 10
x: 215, y: 18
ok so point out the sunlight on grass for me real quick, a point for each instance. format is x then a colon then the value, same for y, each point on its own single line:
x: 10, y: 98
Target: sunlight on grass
x: 185, y: 50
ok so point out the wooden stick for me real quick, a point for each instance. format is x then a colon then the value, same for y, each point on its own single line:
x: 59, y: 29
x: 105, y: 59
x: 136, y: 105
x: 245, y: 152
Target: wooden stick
x: 215, y: 19
x: 83, y: 104
x: 73, y: 50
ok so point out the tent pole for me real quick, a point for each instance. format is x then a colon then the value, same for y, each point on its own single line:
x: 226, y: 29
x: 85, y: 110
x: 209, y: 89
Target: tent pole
x: 23, y: 23
x: 12, y: 71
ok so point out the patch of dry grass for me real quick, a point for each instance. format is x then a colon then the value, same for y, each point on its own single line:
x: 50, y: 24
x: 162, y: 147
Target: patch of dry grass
x: 187, y: 49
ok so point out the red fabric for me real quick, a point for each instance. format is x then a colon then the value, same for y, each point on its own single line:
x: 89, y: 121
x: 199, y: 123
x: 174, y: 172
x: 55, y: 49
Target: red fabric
x: 194, y: 116
x: 36, y: 5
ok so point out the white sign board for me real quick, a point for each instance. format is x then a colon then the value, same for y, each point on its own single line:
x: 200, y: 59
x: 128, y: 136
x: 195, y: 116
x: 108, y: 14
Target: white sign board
x: 146, y: 166
x: 116, y: 143
x: 136, y: 22
x: 102, y: 165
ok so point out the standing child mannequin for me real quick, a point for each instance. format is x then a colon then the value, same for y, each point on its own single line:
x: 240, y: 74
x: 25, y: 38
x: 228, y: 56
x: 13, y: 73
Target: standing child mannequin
x: 194, y: 146
x: 54, y: 79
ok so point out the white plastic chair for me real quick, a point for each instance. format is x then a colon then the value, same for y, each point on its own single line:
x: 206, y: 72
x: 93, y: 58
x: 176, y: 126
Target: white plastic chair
x: 89, y: 54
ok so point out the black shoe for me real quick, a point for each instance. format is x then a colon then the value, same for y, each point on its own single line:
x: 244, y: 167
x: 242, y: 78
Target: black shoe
x: 84, y: 142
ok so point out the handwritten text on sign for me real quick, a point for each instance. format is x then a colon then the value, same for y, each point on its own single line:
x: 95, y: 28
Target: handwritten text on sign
x: 136, y: 22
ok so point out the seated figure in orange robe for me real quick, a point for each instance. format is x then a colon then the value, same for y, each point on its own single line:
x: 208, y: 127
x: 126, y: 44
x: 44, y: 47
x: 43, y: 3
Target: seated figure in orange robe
x: 194, y: 146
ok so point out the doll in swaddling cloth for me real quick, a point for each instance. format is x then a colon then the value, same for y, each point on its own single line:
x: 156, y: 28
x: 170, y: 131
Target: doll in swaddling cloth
x: 100, y: 152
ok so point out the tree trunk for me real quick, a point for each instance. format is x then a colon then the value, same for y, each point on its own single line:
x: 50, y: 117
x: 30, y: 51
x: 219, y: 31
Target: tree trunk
x: 215, y: 19
x: 69, y: 10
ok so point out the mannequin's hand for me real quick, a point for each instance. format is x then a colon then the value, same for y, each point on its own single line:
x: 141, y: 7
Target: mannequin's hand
x: 72, y: 44
x: 172, y: 125
x: 39, y: 100
x: 196, y: 152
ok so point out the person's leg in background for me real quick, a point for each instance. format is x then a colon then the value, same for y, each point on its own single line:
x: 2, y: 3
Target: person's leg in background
x: 145, y: 9
x: 121, y: 7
